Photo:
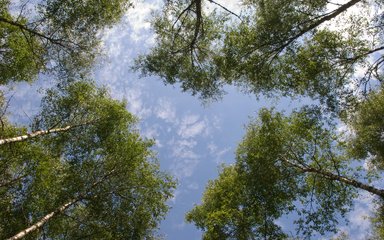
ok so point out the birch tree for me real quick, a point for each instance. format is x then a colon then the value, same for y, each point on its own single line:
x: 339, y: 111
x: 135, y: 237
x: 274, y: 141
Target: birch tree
x: 98, y: 181
x: 290, y: 48
x: 299, y: 164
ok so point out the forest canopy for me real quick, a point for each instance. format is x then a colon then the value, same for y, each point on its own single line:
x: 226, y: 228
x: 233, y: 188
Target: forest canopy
x: 321, y: 49
x: 81, y: 170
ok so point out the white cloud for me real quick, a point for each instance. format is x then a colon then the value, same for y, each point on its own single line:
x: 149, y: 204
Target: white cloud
x: 359, y: 218
x: 191, y: 126
x: 152, y: 132
x: 193, y: 186
x: 217, y: 153
x: 166, y: 111
x: 185, y: 159
x: 184, y: 149
x: 137, y: 18
x: 135, y: 102
x: 184, y: 167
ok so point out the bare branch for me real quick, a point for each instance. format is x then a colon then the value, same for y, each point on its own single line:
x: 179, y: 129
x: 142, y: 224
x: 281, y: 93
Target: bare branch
x: 226, y: 9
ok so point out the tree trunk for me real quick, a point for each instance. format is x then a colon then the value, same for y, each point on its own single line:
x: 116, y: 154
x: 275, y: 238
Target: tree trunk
x: 38, y: 133
x: 332, y: 176
x: 43, y: 220
x: 60, y: 209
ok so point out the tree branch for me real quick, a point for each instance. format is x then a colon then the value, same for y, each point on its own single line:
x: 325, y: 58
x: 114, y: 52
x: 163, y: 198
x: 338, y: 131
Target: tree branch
x: 339, y: 178
x: 34, y: 32
x: 314, y: 25
x: 4, y: 184
x: 224, y: 8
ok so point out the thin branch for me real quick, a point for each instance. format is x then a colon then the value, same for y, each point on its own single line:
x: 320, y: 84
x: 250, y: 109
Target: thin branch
x: 226, y: 9
x: 365, y: 54
x: 3, y: 112
x: 5, y: 184
x: 44, y: 220
x: 34, y: 32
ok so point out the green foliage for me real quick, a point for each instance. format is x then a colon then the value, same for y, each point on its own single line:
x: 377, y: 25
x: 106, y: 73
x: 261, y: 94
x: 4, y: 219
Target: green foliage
x: 271, y: 178
x: 104, y: 163
x: 60, y: 37
x: 378, y: 221
x: 21, y: 57
x: 277, y: 48
x: 368, y: 124
x: 227, y: 212
x: 188, y: 52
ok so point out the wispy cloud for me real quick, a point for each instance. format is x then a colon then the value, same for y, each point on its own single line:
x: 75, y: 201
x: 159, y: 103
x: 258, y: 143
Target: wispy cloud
x: 136, y: 104
x: 191, y: 126
x: 359, y: 218
x: 185, y: 159
x: 166, y: 111
x: 218, y: 153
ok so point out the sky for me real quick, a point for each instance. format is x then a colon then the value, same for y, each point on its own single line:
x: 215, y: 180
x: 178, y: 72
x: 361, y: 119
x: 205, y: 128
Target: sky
x: 192, y: 139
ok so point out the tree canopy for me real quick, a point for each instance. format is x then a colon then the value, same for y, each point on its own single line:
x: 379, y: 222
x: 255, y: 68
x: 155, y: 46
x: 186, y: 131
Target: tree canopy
x: 298, y: 163
x: 290, y: 48
x: 52, y: 36
x: 102, y: 169
x: 82, y: 170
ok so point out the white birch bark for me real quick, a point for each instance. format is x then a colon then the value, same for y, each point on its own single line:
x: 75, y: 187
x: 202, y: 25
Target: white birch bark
x: 38, y: 133
x: 43, y: 220
x: 339, y: 178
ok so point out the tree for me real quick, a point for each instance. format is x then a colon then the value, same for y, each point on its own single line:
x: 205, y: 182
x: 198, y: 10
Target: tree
x: 99, y: 180
x: 57, y: 36
x: 287, y: 164
x: 368, y: 125
x: 225, y: 212
x: 292, y: 47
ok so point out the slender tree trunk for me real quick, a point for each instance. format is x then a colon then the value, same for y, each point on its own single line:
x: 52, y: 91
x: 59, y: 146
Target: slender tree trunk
x: 332, y: 176
x: 43, y: 220
x: 39, y: 133
x: 60, y: 209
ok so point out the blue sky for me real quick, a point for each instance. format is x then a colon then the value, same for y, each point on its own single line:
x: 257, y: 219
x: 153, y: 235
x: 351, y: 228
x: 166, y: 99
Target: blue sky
x: 192, y: 140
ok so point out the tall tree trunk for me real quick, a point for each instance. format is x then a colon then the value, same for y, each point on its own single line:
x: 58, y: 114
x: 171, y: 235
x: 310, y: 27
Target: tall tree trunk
x: 38, y: 133
x: 60, y: 209
x: 336, y: 177
x: 43, y: 220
